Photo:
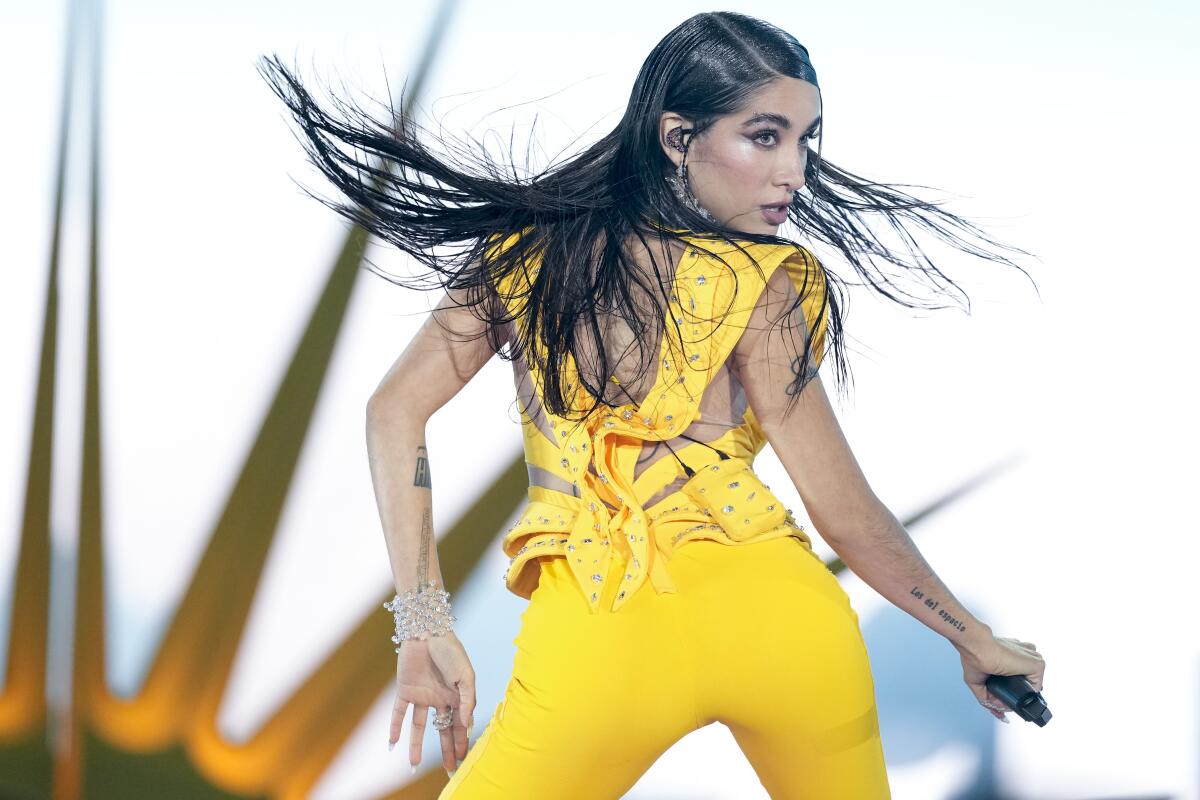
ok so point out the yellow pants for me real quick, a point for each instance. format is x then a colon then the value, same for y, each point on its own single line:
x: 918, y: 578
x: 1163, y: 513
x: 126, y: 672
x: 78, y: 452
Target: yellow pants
x: 760, y: 637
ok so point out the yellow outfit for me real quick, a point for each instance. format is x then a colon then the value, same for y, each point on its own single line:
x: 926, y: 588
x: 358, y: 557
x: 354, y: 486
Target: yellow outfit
x: 747, y: 626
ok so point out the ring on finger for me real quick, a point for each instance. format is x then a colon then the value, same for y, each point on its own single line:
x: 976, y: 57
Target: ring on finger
x: 441, y: 720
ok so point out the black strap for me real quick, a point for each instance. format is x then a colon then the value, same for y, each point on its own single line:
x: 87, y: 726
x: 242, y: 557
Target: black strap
x: 687, y: 470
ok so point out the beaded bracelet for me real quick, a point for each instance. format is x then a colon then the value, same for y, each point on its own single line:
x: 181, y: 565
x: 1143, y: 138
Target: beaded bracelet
x: 420, y: 614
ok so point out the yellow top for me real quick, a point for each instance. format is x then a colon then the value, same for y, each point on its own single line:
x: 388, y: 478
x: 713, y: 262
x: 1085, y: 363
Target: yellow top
x: 724, y: 500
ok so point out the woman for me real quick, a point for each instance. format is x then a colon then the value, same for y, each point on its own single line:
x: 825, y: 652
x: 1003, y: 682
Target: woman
x: 668, y: 587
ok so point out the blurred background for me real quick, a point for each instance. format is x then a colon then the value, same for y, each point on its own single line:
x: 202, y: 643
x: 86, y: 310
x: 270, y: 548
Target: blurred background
x: 191, y: 563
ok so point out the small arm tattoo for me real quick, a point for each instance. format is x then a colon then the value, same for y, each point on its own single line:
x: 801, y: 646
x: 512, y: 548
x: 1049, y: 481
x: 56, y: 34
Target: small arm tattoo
x: 422, y: 476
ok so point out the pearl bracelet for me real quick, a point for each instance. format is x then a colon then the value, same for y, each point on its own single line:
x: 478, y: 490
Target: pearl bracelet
x: 420, y: 614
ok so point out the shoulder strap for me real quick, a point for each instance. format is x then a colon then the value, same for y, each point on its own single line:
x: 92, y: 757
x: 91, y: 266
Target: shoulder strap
x: 740, y: 284
x: 513, y: 286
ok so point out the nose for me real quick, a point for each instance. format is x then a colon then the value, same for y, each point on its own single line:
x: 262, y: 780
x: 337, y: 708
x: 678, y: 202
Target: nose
x: 791, y: 176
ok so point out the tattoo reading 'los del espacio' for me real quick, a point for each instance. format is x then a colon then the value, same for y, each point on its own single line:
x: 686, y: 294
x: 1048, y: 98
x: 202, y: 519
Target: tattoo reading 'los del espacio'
x: 422, y: 476
x: 931, y: 603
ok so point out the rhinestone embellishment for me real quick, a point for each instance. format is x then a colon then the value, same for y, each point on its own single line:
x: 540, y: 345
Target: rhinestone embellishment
x: 727, y: 509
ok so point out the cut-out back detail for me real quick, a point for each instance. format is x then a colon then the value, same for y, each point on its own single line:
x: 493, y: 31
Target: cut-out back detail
x: 611, y: 483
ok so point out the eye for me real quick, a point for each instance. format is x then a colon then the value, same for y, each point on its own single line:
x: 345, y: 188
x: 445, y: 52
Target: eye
x: 772, y: 137
x: 771, y: 133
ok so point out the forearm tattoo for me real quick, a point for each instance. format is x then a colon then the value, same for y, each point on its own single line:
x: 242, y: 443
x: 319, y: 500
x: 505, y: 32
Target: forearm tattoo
x: 426, y: 543
x: 931, y: 603
x: 422, y: 478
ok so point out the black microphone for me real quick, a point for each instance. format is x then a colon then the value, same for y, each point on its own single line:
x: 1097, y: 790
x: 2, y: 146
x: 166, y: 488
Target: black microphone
x: 1017, y: 693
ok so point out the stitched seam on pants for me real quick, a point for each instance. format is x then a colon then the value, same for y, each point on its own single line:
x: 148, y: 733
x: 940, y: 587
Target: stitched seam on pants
x: 849, y: 734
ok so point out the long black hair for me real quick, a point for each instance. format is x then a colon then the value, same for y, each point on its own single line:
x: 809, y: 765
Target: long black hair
x: 449, y: 210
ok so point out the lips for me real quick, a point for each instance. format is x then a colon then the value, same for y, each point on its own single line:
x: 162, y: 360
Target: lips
x: 775, y: 215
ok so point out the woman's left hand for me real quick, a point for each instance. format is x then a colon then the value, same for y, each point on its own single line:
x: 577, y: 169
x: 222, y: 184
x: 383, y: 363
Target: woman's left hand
x: 1000, y: 656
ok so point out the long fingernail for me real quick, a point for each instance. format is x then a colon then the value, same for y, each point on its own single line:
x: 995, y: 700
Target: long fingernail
x: 391, y: 745
x: 412, y: 768
x: 1004, y: 719
x: 450, y: 773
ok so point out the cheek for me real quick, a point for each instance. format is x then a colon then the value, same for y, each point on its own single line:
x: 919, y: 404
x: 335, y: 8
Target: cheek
x: 742, y: 168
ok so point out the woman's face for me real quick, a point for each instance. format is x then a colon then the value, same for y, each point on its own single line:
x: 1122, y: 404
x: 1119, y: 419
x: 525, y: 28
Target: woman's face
x: 744, y: 168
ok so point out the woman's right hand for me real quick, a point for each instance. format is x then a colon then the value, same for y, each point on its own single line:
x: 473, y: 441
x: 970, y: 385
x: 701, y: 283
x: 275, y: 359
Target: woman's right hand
x: 1000, y: 656
x: 434, y: 673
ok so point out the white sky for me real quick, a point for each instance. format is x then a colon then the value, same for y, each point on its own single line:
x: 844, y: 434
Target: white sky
x: 1064, y: 127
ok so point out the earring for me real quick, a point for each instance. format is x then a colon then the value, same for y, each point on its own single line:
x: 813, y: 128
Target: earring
x: 683, y: 193
x: 679, y: 182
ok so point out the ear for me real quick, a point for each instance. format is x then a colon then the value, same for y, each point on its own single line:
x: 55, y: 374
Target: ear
x: 667, y: 123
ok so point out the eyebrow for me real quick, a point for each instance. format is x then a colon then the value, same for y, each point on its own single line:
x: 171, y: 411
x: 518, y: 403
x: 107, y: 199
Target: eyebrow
x: 778, y: 119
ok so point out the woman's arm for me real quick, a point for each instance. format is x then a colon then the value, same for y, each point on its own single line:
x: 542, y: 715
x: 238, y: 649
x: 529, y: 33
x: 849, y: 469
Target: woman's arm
x: 846, y: 512
x: 447, y: 351
x: 857, y: 525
